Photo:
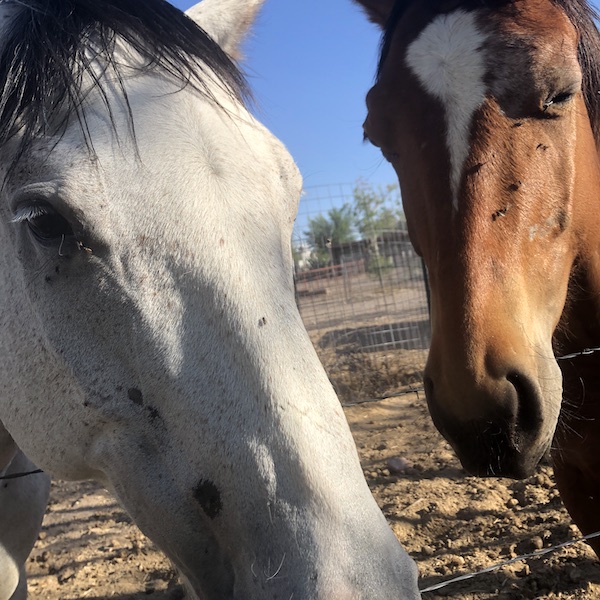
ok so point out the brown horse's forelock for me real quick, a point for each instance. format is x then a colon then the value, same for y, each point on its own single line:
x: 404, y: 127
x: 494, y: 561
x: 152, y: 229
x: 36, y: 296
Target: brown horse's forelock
x: 580, y: 13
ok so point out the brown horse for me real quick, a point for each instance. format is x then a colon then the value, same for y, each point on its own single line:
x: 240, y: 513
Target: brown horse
x: 489, y: 111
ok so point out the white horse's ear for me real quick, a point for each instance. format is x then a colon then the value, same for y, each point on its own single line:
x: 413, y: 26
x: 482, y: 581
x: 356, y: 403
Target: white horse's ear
x: 226, y: 21
x: 378, y: 11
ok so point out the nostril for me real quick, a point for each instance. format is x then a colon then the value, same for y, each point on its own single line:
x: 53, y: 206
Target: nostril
x: 529, y: 406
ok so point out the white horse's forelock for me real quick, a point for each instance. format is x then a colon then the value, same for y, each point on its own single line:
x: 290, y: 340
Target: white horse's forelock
x: 164, y: 353
x: 449, y: 61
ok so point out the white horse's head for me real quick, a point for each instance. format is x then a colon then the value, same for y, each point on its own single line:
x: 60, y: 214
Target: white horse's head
x: 150, y: 336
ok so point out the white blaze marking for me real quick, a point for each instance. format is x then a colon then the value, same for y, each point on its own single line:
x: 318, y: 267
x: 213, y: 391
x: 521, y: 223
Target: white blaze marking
x: 448, y: 60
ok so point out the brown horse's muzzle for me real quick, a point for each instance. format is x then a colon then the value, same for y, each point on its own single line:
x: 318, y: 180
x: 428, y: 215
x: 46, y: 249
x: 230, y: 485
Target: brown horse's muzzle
x: 497, y: 427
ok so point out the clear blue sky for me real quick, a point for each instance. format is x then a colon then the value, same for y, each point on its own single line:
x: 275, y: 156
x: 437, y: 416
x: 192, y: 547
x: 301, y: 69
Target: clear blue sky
x: 310, y: 64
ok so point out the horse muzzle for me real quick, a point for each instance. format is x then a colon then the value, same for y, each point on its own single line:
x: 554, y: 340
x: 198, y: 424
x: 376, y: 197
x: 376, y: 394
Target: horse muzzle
x: 498, y: 428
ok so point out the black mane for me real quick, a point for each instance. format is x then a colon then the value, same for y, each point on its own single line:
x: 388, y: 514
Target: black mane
x: 584, y: 19
x: 49, y: 45
x: 582, y: 16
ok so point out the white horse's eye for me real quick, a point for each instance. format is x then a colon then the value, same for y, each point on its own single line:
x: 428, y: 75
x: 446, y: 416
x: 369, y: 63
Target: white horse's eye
x: 46, y: 225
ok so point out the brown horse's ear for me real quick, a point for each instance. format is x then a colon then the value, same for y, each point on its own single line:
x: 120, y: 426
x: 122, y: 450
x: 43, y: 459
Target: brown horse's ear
x: 378, y: 11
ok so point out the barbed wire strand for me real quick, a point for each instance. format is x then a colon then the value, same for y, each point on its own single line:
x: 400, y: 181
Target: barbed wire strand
x: 510, y: 561
x: 536, y: 554
x: 18, y: 475
x: 584, y: 352
x: 465, y: 577
x: 417, y: 390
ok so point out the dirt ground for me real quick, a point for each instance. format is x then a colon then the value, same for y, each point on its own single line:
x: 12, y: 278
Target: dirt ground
x: 450, y: 523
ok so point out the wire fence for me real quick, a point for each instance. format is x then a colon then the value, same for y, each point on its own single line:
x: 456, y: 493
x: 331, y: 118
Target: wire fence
x: 364, y: 302
x: 363, y: 298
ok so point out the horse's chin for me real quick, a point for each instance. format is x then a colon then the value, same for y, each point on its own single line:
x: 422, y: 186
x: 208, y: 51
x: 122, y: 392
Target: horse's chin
x: 494, y: 447
x: 495, y: 451
x: 511, y: 463
x: 499, y: 427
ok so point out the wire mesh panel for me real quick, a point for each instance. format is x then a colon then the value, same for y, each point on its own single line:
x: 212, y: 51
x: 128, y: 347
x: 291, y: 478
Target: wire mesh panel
x: 361, y: 289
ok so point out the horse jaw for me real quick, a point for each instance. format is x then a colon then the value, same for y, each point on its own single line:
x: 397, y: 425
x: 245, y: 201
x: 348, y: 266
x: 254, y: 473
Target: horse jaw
x: 226, y: 21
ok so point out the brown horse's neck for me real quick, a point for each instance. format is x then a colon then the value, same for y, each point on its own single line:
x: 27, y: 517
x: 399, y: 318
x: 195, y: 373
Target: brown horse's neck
x: 579, y: 328
x: 580, y: 323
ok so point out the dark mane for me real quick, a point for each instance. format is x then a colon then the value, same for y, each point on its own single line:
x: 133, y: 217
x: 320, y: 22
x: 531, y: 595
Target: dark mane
x: 582, y: 16
x: 50, y: 44
x: 584, y: 19
x: 397, y: 13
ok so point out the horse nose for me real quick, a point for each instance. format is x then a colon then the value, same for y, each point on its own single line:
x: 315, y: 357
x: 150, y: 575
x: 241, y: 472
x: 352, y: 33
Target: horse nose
x: 528, y: 416
x: 495, y: 425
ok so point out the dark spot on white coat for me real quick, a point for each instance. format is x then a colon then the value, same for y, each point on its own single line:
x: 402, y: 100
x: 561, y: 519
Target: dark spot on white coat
x: 135, y: 396
x: 153, y: 413
x: 208, y: 496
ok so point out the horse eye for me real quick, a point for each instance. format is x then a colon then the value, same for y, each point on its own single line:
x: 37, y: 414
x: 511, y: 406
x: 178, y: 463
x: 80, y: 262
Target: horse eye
x: 46, y: 225
x: 561, y: 98
x: 50, y: 227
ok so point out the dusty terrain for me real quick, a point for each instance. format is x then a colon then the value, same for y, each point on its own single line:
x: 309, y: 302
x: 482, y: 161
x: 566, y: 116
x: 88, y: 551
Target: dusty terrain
x: 450, y: 523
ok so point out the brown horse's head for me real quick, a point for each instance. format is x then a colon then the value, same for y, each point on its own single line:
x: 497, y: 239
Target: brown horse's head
x: 481, y: 109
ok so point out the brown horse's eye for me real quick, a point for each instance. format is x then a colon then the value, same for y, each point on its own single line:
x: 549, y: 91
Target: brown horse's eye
x: 561, y: 98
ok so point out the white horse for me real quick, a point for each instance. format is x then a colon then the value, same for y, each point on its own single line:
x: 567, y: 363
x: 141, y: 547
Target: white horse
x: 150, y: 337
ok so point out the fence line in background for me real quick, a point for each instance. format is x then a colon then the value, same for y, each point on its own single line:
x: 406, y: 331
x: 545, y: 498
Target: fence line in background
x: 363, y: 301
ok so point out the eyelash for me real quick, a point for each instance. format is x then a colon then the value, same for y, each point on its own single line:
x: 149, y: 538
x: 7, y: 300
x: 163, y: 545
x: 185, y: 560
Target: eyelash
x: 28, y: 213
x: 46, y: 225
